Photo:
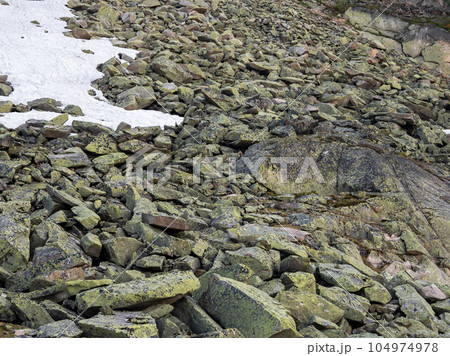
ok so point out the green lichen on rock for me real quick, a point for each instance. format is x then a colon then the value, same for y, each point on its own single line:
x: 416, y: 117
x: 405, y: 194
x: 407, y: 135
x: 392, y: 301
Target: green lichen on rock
x: 304, y: 305
x: 413, y: 305
x: 30, y: 312
x: 120, y: 325
x: 139, y: 292
x: 102, y: 144
x: 86, y: 217
x: 237, y: 305
x: 14, y: 241
x: 61, y: 328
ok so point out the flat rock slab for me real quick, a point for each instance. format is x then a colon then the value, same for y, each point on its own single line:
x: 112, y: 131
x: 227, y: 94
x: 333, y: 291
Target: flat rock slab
x: 165, y: 222
x: 140, y: 292
x: 62, y: 328
x: 253, y: 312
x: 120, y: 325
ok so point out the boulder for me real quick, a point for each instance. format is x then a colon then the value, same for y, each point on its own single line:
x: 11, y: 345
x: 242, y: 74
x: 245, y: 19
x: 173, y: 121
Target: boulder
x: 413, y: 305
x: 14, y: 241
x: 140, y: 292
x: 30, y: 312
x: 120, y: 325
x: 61, y: 328
x: 254, y: 313
x: 302, y: 306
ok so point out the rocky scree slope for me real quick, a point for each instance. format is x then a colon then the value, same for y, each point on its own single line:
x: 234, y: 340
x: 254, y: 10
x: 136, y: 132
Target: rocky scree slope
x: 88, y: 249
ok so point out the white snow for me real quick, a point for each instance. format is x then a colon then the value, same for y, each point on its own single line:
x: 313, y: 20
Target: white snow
x: 51, y: 65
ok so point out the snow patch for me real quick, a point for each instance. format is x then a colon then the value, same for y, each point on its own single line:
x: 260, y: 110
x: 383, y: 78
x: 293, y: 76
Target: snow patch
x: 42, y: 64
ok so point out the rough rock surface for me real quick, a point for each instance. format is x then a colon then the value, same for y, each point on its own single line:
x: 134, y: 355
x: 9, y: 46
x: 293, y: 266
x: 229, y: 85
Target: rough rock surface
x: 305, y: 194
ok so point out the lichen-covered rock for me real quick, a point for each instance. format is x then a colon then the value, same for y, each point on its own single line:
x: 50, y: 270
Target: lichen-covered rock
x: 6, y: 313
x: 102, y: 144
x: 304, y: 282
x: 45, y: 104
x: 121, y: 249
x: 86, y: 217
x: 30, y: 312
x: 304, y: 305
x: 171, y: 70
x: 237, y: 305
x: 377, y: 293
x: 91, y: 245
x: 355, y: 308
x: 136, y: 98
x: 190, y: 313
x: 61, y: 328
x: 139, y: 292
x: 413, y: 305
x: 120, y: 325
x: 73, y: 110
x: 257, y: 259
x: 14, y: 241
x: 344, y: 276
x: 6, y: 106
x: 70, y: 158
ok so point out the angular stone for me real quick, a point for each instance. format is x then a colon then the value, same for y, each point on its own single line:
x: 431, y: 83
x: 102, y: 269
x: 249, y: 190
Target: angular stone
x: 30, y: 312
x: 57, y: 329
x: 6, y: 106
x: 413, y: 305
x: 237, y: 305
x: 5, y: 90
x: 136, y: 98
x: 56, y: 131
x: 14, y: 241
x: 165, y: 221
x: 73, y: 110
x: 343, y: 276
x: 171, y: 70
x: 85, y: 216
x: 111, y: 159
x: 304, y: 305
x: 437, y: 53
x: 102, y: 144
x: 6, y: 313
x: 121, y: 249
x: 225, y: 217
x: 304, y: 282
x: 282, y: 244
x: 45, y: 104
x: 352, y: 306
x: 190, y: 313
x: 257, y: 259
x: 139, y: 292
x: 63, y: 197
x: 377, y: 293
x: 91, y: 244
x: 107, y: 16
x: 81, y: 33
x: 120, y: 325
x: 151, y: 263
x: 70, y: 158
